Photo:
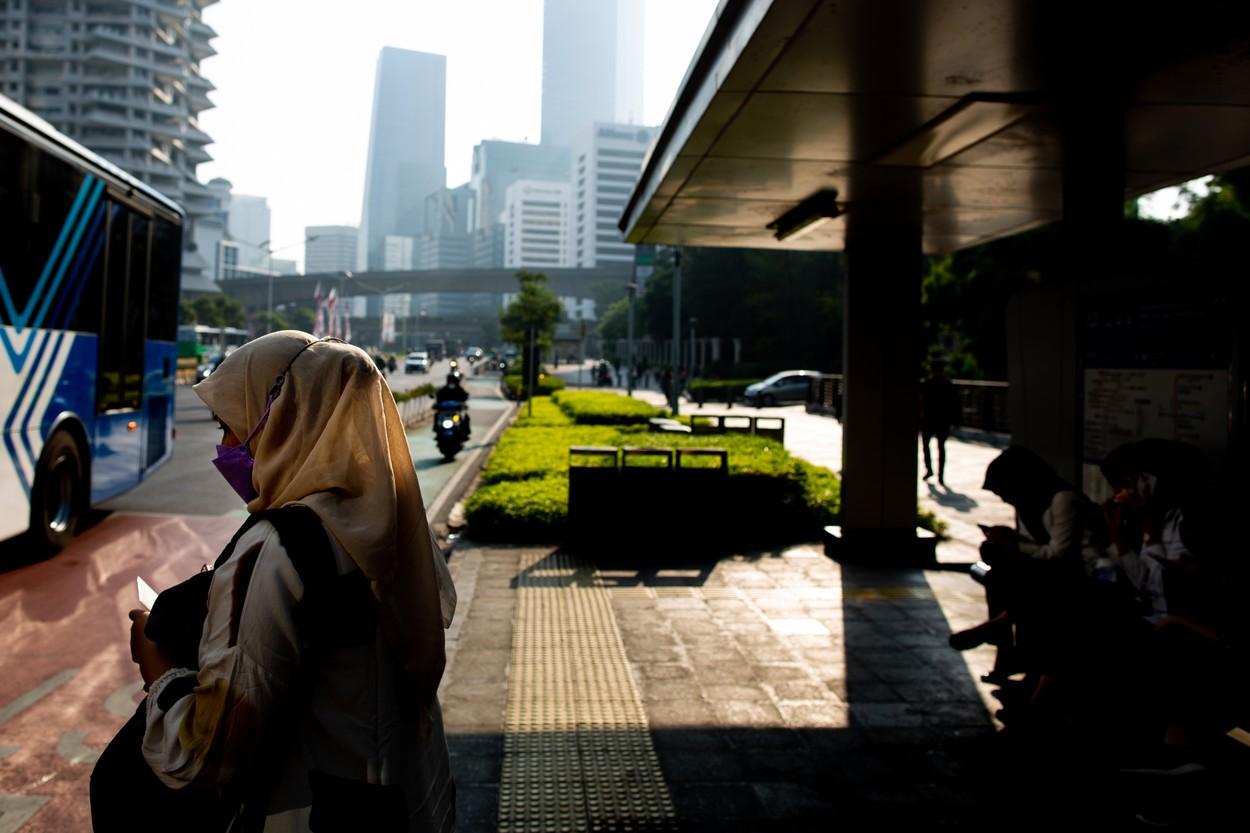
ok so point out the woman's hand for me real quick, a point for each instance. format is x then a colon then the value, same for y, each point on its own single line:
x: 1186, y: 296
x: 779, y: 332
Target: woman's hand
x: 1001, y: 536
x: 152, y: 660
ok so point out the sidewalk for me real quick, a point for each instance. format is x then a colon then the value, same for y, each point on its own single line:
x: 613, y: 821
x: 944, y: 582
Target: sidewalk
x: 770, y: 691
x: 761, y: 691
x: 962, y: 503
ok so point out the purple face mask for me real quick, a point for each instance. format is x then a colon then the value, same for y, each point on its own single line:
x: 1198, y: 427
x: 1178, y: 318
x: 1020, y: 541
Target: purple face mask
x: 235, y: 461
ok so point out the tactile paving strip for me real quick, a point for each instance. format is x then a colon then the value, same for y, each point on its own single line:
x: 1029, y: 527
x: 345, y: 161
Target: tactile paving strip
x: 880, y: 594
x: 577, y: 751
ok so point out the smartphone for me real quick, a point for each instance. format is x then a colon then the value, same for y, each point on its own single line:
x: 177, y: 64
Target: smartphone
x: 147, y: 596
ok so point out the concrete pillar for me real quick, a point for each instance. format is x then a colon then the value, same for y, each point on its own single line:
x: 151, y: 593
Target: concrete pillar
x: 881, y: 371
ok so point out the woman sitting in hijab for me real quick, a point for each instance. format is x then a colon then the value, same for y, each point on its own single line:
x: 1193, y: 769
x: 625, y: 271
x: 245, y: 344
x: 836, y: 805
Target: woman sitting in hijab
x: 316, y: 711
x: 1033, y: 574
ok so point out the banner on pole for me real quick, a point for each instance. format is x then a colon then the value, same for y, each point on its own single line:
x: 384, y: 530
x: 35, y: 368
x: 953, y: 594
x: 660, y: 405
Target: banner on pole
x: 644, y: 265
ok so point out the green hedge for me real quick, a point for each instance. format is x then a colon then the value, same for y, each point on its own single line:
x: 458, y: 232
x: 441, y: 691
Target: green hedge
x: 546, y: 384
x: 416, y: 393
x: 600, y: 408
x: 525, y: 493
x: 519, y: 511
x: 718, y: 390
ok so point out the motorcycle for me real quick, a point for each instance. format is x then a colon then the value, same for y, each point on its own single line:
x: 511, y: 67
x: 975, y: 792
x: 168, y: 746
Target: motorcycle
x: 450, y: 428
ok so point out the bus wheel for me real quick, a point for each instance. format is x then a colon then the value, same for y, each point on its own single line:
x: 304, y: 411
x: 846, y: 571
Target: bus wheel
x: 57, y: 500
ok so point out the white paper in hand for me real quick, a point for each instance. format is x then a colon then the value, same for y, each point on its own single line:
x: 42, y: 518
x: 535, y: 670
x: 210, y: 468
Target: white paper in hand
x: 147, y: 596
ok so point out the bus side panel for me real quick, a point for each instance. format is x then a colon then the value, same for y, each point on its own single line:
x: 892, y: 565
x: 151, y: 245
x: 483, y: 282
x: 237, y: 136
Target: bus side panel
x: 117, y: 453
x: 27, y: 384
x: 160, y: 360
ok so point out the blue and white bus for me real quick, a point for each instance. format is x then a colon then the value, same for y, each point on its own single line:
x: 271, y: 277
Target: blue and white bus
x: 89, y: 271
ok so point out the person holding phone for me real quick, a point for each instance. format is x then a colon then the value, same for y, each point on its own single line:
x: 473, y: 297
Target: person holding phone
x: 1033, y: 572
x: 312, y: 695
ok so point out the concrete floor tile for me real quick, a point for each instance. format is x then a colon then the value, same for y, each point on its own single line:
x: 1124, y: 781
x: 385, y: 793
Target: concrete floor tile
x: 672, y: 714
x: 800, y: 690
x: 831, y: 715
x: 746, y: 713
x: 752, y: 693
x: 652, y: 690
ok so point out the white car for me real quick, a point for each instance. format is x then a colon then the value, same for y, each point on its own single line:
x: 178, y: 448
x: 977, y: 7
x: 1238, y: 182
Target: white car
x: 417, y: 362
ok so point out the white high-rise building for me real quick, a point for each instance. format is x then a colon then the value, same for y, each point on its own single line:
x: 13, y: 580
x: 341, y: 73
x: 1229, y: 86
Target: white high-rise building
x: 592, y: 65
x: 606, y: 163
x: 397, y: 253
x: 330, y: 249
x: 406, y: 146
x: 123, y: 78
x: 248, y: 224
x: 537, y: 232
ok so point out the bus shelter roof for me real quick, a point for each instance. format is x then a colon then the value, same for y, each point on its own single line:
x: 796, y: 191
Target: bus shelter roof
x: 786, y: 99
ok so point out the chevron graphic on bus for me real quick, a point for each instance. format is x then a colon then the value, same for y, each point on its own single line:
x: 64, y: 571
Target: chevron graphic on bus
x: 90, y: 266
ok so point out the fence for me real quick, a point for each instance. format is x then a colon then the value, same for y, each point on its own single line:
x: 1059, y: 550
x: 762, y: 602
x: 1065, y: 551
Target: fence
x: 413, y: 411
x: 982, y: 405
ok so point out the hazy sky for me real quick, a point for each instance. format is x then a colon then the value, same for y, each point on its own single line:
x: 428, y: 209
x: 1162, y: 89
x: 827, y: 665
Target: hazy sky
x: 295, y: 89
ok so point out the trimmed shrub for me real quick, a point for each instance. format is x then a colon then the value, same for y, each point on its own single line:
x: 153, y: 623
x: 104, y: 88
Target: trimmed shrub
x: 718, y: 390
x: 514, y: 385
x: 771, y: 496
x: 416, y: 393
x: 600, y: 408
x: 520, y: 512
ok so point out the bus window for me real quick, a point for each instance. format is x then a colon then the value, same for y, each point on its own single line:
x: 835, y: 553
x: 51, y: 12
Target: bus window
x: 125, y: 306
x: 163, y: 282
x: 136, y: 310
x: 37, y: 191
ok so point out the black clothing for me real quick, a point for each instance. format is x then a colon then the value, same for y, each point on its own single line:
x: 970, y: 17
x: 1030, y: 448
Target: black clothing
x: 451, y: 393
x: 939, y: 404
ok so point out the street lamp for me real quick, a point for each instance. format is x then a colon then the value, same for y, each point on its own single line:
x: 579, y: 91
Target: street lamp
x: 269, y: 253
x: 693, y: 349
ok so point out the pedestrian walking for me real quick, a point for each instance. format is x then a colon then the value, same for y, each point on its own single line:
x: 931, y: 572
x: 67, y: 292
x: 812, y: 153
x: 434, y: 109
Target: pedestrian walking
x: 939, y: 411
x: 308, y: 697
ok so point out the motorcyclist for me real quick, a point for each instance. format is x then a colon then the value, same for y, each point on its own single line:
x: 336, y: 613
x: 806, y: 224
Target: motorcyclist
x: 453, y: 391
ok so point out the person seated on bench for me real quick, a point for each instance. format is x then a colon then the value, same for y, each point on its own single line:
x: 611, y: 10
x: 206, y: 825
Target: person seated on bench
x: 1034, y: 575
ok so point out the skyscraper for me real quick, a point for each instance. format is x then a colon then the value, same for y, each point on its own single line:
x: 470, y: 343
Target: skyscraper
x: 405, y: 148
x: 248, y: 225
x: 606, y: 162
x: 123, y: 78
x: 592, y: 66
x: 330, y: 249
x: 536, y: 219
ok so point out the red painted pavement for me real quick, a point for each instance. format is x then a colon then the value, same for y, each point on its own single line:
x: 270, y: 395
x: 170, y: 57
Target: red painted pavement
x: 69, y: 612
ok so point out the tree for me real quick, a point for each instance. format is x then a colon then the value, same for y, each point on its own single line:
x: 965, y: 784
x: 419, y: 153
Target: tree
x: 614, y: 322
x: 218, y: 311
x: 270, y: 322
x: 535, y: 308
x: 784, y: 307
x: 207, y: 312
x: 302, y: 318
x: 186, y: 312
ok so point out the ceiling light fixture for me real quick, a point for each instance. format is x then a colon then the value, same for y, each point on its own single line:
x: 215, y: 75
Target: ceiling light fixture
x: 807, y: 216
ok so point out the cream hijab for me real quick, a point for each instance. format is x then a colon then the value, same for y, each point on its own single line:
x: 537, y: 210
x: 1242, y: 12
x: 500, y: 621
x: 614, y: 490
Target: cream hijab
x: 335, y: 443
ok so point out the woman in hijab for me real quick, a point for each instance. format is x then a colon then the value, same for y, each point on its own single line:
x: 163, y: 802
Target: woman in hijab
x: 1032, y: 574
x: 318, y: 711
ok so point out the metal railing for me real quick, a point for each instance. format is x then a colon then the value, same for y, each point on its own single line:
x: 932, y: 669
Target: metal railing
x: 982, y: 404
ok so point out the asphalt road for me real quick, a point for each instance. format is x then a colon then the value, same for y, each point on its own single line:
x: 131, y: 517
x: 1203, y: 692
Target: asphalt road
x: 66, y: 679
x: 189, y: 485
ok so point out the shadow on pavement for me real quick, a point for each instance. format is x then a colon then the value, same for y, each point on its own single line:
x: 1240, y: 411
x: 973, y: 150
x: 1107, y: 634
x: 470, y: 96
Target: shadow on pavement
x: 948, y: 497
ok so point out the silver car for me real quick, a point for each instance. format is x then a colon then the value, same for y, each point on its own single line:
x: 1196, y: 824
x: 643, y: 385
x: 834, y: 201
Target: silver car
x: 786, y: 386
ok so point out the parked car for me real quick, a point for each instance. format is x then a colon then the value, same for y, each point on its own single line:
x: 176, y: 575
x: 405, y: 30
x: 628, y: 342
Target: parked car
x: 786, y: 386
x: 417, y: 362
